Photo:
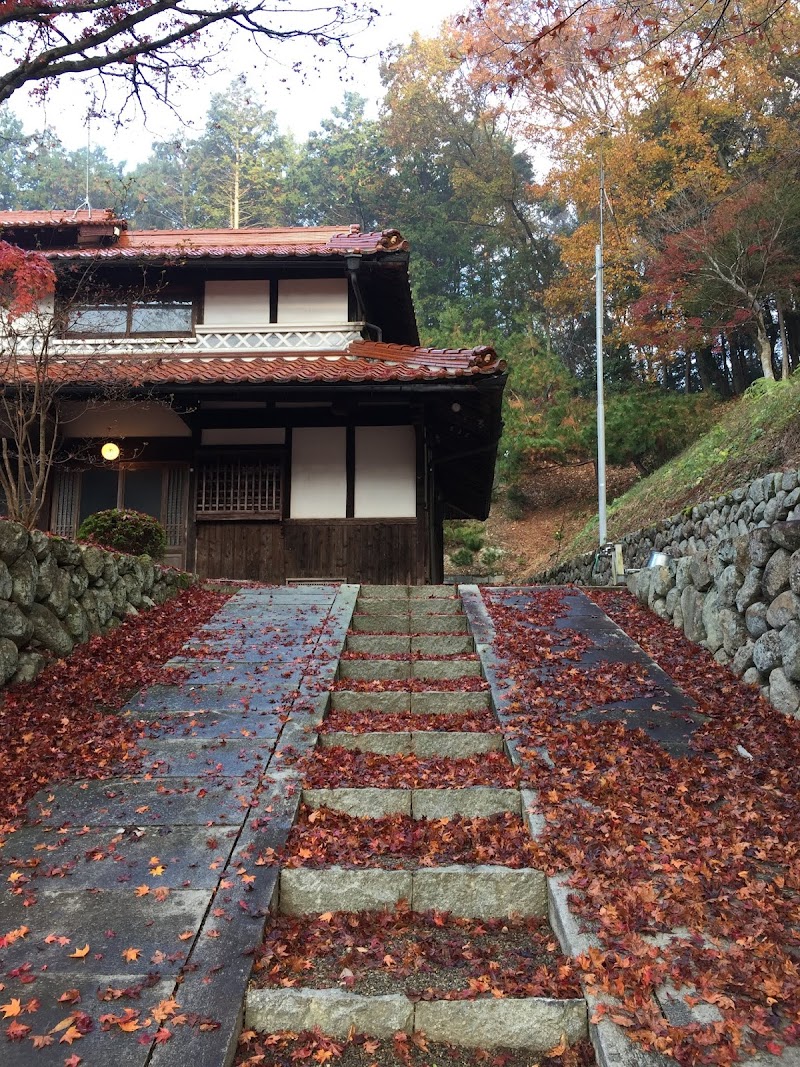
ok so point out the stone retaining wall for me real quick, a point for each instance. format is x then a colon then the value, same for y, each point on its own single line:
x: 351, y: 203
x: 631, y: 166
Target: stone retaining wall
x: 54, y: 594
x: 731, y: 583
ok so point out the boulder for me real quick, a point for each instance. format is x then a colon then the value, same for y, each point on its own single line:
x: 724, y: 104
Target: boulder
x: 768, y: 652
x: 786, y: 534
x: 752, y: 677
x: 711, y: 621
x: 755, y: 619
x: 683, y: 573
x: 760, y: 547
x: 93, y: 559
x: 15, y: 624
x: 662, y: 581
x: 789, y: 481
x: 78, y: 582
x: 9, y: 657
x: 783, y: 693
x: 692, y: 608
x: 49, y: 632
x: 743, y: 658
x: 24, y: 573
x: 14, y: 539
x: 776, y: 573
x: 733, y: 629
x: 76, y: 622
x: 29, y: 665
x: 794, y: 572
x: 790, y: 649
x: 750, y: 589
x: 39, y: 544
x: 700, y: 574
x: 784, y: 608
x: 727, y: 586
x: 48, y: 570
x: 6, y: 583
x: 59, y: 598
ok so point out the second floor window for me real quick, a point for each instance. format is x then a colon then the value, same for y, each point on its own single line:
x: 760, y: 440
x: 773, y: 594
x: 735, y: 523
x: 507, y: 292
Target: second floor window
x: 130, y: 318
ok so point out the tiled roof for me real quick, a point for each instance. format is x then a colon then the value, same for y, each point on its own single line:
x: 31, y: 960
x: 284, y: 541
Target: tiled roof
x: 257, y: 242
x: 39, y: 219
x: 362, y: 361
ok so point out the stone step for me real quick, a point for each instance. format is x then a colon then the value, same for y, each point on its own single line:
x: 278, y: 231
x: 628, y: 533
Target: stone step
x: 477, y: 892
x: 472, y: 801
x: 395, y: 669
x: 410, y: 592
x: 433, y: 606
x: 401, y: 644
x: 536, y: 1024
x: 409, y: 624
x: 429, y: 702
x: 454, y: 743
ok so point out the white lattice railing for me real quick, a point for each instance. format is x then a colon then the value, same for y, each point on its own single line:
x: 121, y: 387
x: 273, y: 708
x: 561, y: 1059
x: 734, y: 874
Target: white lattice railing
x: 207, y: 339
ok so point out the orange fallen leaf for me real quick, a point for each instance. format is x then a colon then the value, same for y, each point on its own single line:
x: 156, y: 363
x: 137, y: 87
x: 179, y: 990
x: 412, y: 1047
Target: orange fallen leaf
x: 80, y: 953
x: 131, y: 954
x: 70, y: 1035
x: 186, y: 935
x: 14, y: 1007
x: 142, y: 890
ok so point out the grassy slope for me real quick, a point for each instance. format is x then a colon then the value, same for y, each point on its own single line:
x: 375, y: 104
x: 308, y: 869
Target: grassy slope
x: 758, y: 433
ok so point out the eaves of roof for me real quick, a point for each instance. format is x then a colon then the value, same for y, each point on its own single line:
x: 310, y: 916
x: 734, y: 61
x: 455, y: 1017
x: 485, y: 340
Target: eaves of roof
x: 362, y: 361
x: 83, y: 217
x: 295, y: 242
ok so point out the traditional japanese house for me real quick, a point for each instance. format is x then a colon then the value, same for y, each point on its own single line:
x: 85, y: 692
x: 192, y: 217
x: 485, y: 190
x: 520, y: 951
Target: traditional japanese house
x: 264, y: 394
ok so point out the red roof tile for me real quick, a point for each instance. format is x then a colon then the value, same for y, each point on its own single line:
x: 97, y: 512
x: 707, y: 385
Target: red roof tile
x: 363, y: 361
x: 257, y: 242
x: 38, y: 219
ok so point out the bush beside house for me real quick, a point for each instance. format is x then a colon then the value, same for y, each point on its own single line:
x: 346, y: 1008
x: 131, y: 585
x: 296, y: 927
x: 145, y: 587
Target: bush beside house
x: 55, y: 594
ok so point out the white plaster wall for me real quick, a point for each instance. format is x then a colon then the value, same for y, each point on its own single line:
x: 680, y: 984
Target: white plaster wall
x: 246, y: 435
x: 319, y: 475
x: 237, y: 303
x: 312, y: 301
x: 386, y: 464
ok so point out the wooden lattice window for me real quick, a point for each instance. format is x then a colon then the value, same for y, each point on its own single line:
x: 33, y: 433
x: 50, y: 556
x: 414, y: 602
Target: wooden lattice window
x: 239, y: 488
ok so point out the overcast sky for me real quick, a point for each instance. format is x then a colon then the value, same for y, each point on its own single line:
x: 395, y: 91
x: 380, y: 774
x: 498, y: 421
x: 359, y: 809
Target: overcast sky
x: 300, y: 106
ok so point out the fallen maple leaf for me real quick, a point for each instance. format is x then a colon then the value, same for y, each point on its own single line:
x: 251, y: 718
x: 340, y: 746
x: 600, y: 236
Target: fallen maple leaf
x: 14, y: 1007
x: 131, y: 954
x: 80, y: 953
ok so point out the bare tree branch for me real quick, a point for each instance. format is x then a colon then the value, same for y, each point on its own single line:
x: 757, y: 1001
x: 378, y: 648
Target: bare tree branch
x: 132, y: 39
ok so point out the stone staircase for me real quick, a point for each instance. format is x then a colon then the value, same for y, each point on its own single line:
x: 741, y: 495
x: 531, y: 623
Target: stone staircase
x: 413, y: 638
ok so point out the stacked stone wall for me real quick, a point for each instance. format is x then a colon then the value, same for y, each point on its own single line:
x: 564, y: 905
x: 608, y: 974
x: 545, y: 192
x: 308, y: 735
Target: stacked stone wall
x: 731, y: 581
x: 55, y: 594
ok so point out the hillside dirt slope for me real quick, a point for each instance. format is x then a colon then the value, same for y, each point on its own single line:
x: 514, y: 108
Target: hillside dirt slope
x: 756, y: 434
x: 561, y: 500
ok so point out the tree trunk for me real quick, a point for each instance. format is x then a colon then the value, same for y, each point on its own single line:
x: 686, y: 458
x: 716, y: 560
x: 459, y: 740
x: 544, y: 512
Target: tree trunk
x: 763, y: 346
x: 784, y: 340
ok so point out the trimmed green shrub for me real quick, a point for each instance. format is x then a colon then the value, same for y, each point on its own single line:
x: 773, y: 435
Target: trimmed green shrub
x: 462, y: 557
x: 125, y: 530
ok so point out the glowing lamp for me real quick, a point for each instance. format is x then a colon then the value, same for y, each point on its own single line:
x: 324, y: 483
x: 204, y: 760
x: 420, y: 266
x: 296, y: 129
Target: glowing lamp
x: 110, y: 451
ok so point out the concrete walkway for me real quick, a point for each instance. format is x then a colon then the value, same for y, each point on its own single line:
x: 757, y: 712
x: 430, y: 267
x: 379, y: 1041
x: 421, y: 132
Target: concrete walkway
x: 135, y: 902
x: 136, y: 893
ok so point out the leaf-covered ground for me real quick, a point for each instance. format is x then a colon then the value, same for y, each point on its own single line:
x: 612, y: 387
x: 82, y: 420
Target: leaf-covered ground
x: 688, y: 869
x: 424, y: 955
x: 336, y: 768
x: 359, y: 1050
x: 61, y: 726
x: 469, y: 683
x: 360, y: 722
x: 322, y: 838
